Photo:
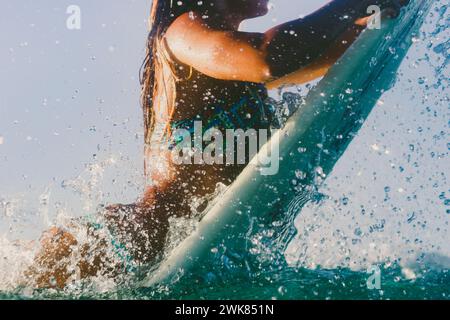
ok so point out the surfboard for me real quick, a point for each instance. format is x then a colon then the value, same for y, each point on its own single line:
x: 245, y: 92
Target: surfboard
x: 309, y: 145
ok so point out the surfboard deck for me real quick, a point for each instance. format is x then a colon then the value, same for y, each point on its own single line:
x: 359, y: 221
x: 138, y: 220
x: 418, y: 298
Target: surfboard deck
x: 312, y: 141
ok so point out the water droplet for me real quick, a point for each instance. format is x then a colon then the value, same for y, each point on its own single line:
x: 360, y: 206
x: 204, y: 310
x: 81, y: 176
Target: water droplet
x: 300, y: 174
x: 282, y: 290
x: 411, y: 218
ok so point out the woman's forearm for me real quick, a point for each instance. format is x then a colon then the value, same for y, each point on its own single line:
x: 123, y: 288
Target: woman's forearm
x: 296, y: 44
x: 320, y: 66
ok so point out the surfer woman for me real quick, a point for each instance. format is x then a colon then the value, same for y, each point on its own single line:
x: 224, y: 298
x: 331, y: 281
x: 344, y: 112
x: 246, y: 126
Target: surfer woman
x: 199, y: 66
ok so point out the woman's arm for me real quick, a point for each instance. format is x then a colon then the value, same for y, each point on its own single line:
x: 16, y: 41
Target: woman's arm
x: 226, y: 55
x: 320, y: 66
x: 262, y: 57
x: 296, y: 44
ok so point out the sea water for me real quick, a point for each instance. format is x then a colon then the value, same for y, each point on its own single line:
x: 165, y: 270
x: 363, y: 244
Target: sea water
x: 377, y: 228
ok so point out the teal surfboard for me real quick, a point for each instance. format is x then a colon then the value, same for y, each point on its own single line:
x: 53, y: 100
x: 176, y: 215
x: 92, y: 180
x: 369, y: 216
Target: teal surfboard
x: 309, y: 145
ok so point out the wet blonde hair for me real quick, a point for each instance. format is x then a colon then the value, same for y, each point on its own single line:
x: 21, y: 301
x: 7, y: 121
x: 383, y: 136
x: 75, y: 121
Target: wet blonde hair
x: 158, y: 77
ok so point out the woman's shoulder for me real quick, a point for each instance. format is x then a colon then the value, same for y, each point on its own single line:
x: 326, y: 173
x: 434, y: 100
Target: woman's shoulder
x: 184, y: 32
x: 186, y: 24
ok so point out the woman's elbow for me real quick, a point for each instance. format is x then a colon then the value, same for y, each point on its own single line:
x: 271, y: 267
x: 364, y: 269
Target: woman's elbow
x: 260, y: 71
x: 261, y: 74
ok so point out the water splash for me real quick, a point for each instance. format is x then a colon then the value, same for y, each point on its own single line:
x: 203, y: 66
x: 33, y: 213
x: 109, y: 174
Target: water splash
x: 335, y: 231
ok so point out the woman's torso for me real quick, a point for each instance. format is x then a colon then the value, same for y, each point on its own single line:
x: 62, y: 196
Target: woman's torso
x: 216, y: 103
